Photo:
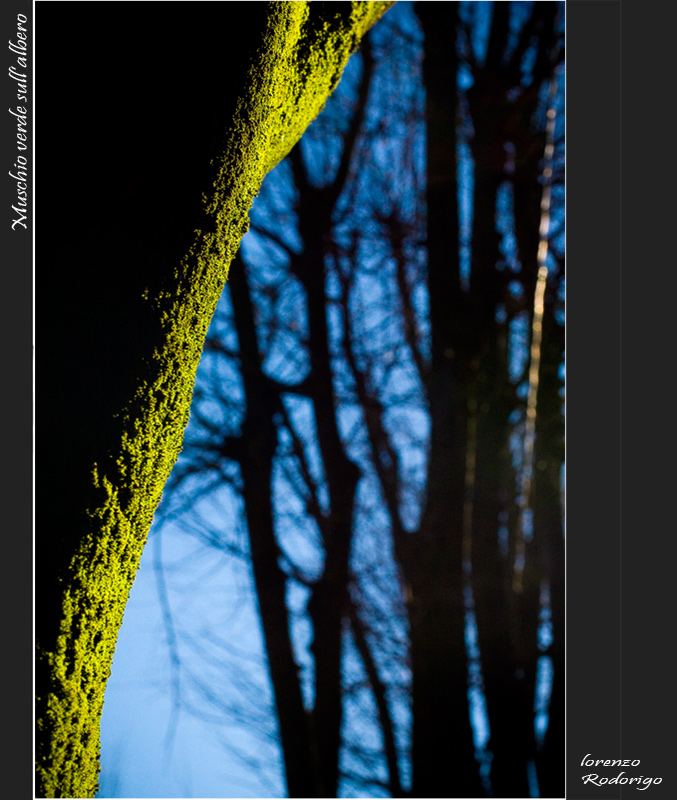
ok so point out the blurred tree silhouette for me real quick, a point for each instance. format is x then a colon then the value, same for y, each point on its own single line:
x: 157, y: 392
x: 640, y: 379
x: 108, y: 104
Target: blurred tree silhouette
x: 381, y: 398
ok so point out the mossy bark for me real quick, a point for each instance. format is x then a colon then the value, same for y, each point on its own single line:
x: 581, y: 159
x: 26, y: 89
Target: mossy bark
x: 131, y: 337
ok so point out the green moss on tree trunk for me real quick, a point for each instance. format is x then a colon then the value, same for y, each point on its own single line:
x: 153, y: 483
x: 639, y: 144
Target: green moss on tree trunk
x: 304, y: 48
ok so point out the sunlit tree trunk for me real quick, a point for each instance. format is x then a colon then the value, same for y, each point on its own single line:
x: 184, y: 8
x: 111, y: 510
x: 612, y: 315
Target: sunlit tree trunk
x: 131, y: 264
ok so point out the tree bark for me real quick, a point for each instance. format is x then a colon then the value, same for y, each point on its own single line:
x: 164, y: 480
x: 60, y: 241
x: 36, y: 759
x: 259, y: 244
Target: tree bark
x: 148, y: 176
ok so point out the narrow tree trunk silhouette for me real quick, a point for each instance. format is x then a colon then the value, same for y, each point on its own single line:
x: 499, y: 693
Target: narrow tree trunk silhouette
x: 495, y: 609
x: 434, y: 572
x: 548, y: 529
x: 262, y: 403
x: 328, y: 605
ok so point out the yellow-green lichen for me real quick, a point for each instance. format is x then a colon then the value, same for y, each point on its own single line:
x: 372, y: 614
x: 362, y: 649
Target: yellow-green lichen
x: 298, y: 65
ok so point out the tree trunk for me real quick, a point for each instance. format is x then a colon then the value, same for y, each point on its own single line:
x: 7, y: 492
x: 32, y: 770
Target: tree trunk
x: 328, y: 605
x: 549, y: 533
x: 443, y: 759
x: 262, y: 402
x: 131, y: 264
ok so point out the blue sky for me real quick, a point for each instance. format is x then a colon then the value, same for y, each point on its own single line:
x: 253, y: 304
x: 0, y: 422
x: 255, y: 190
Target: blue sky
x: 138, y: 708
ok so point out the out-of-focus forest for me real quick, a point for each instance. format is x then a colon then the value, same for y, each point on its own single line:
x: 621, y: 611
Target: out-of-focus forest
x: 376, y: 441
